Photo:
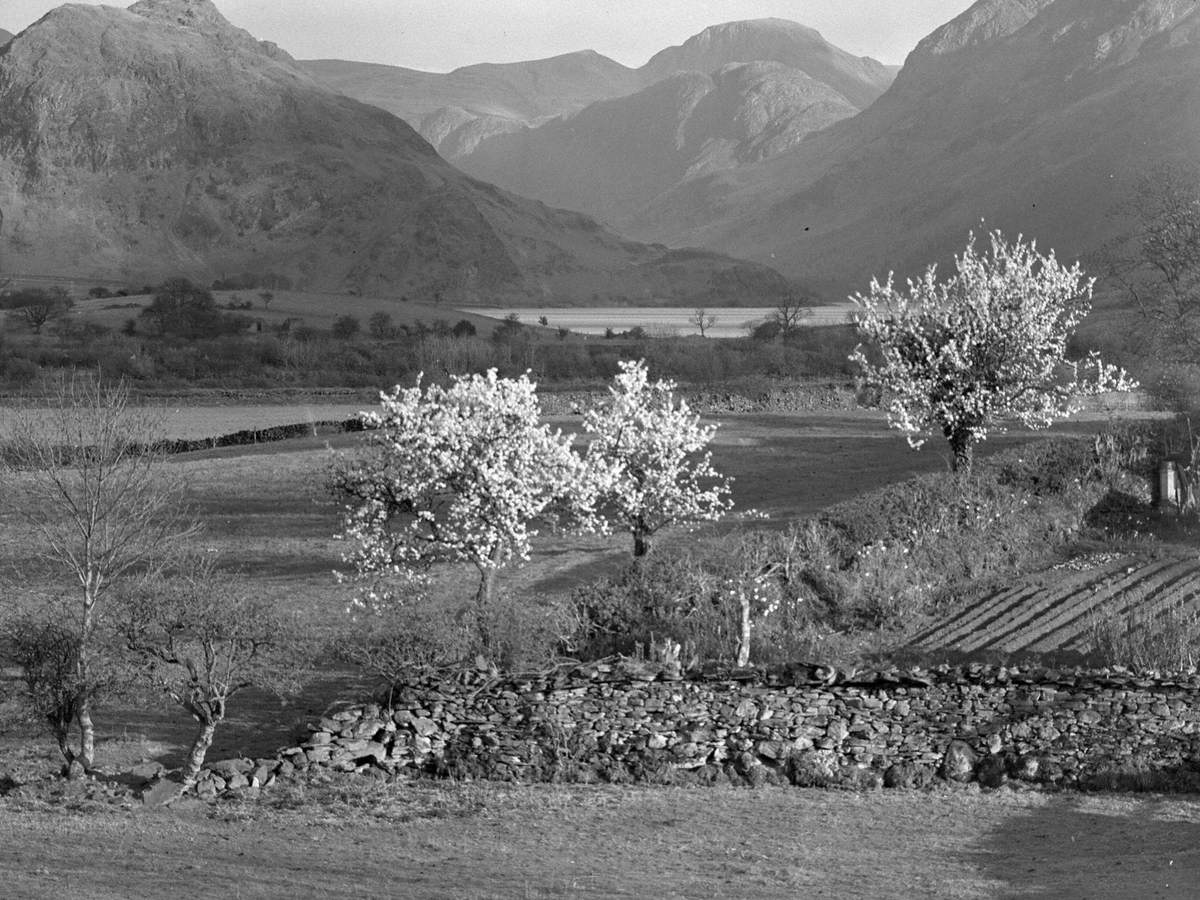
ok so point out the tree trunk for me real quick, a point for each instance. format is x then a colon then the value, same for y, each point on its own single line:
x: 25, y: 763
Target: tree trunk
x: 62, y: 734
x: 484, y: 603
x: 195, y: 757
x: 487, y: 587
x: 87, y: 734
x: 642, y: 535
x: 87, y: 731
x: 962, y: 446
x: 743, y: 652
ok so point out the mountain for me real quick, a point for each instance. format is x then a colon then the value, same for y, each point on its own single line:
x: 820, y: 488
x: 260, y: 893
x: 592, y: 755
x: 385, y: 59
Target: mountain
x: 529, y: 93
x: 613, y: 157
x: 161, y: 140
x: 518, y: 93
x: 5, y: 37
x: 1036, y: 115
x: 859, y: 79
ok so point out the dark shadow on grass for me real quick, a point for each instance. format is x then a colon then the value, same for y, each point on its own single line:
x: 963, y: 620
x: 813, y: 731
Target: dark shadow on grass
x: 258, y: 723
x: 1071, y: 847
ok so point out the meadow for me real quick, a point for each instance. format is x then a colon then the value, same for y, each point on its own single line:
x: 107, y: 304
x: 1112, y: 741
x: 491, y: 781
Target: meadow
x: 266, y: 513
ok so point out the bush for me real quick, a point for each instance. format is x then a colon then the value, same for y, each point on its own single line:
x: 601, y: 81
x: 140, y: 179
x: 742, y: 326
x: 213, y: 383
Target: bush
x: 47, y: 650
x: 673, y: 595
x: 345, y: 327
x: 523, y: 634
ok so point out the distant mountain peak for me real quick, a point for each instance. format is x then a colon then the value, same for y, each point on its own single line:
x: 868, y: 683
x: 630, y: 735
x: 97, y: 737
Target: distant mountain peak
x: 744, y: 27
x: 188, y: 13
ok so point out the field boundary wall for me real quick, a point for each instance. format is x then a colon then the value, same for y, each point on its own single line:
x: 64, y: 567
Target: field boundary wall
x: 630, y: 721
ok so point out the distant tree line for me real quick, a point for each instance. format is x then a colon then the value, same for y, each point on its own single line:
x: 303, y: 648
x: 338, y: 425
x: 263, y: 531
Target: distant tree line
x: 184, y: 336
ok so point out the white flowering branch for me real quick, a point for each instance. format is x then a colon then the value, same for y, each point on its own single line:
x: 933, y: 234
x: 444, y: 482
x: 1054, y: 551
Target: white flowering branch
x: 650, y: 449
x: 989, y: 344
x: 462, y: 473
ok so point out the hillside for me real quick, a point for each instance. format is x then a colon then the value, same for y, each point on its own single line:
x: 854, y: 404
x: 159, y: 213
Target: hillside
x: 5, y: 37
x: 451, y: 110
x: 1038, y: 115
x: 207, y: 153
x: 613, y: 157
x: 517, y: 93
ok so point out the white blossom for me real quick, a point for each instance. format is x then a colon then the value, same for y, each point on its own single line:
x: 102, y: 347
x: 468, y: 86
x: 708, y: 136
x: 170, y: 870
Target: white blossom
x: 963, y: 355
x: 460, y: 473
x: 650, y: 448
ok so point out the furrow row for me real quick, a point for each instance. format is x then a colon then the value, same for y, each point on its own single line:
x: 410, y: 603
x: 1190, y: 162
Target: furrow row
x: 1144, y: 593
x: 1005, y: 605
x: 1183, y: 595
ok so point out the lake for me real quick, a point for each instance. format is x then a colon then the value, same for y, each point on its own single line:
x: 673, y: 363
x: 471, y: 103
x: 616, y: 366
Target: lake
x: 659, y: 321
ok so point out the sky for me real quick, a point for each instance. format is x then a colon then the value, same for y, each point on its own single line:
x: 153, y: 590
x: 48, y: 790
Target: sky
x: 440, y: 35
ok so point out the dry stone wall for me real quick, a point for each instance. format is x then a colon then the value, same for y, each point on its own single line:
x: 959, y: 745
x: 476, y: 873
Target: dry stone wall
x: 804, y: 725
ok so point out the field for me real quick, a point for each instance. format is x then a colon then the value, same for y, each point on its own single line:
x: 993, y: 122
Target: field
x: 266, y: 513
x: 1056, y: 610
x: 491, y: 841
x: 313, y: 309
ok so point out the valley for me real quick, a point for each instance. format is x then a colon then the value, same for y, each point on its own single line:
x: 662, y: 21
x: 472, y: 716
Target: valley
x: 1001, y: 628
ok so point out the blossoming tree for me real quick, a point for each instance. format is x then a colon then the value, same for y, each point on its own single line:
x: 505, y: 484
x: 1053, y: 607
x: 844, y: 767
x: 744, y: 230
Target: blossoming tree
x: 458, y: 473
x: 651, y: 447
x: 986, y: 345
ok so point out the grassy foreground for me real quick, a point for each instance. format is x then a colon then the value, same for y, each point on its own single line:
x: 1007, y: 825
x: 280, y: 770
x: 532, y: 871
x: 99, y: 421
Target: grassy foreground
x: 430, y: 840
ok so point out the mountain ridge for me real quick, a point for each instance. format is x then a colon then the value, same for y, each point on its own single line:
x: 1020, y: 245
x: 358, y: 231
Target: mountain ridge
x: 512, y: 90
x: 612, y: 157
x: 1037, y: 116
x: 161, y: 140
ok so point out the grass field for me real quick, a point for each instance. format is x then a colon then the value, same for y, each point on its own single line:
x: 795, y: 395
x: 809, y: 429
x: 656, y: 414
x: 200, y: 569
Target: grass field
x: 265, y: 511
x: 490, y: 841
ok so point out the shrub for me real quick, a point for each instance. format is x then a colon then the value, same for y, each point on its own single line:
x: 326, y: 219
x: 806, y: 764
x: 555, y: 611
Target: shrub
x: 675, y: 595
x: 345, y: 327
x: 64, y: 676
x: 402, y: 640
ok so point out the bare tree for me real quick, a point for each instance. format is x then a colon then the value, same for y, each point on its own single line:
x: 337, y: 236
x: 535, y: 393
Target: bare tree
x: 84, y: 479
x: 1157, y: 263
x: 703, y: 320
x: 789, y: 314
x: 203, y: 638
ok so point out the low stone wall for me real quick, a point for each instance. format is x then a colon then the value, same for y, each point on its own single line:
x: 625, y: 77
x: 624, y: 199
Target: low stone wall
x: 786, y: 398
x: 804, y: 725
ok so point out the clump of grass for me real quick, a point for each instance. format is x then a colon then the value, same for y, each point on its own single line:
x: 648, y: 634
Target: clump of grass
x: 1142, y: 641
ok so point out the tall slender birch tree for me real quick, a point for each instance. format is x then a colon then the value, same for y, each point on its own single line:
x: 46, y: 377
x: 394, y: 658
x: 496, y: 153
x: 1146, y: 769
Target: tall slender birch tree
x: 83, y: 475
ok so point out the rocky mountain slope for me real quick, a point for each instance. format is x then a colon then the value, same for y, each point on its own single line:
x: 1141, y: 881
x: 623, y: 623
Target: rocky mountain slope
x: 5, y: 37
x: 457, y: 110
x: 1037, y: 115
x: 613, y: 157
x: 161, y: 140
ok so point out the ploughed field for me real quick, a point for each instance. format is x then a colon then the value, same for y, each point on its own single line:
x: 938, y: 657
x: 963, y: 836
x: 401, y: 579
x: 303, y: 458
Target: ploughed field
x: 1056, y: 610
